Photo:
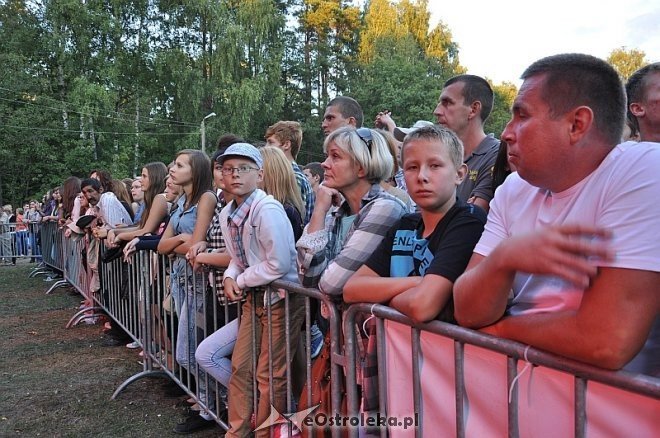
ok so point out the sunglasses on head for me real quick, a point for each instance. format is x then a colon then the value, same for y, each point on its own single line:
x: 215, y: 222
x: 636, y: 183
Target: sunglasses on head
x: 366, y: 137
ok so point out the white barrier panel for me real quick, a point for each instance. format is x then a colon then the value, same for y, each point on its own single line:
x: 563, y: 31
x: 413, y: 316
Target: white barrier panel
x: 545, y: 396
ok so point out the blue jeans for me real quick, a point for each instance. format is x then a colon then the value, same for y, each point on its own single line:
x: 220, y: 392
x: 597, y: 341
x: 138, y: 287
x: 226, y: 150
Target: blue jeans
x: 21, y: 238
x: 213, y: 353
x: 191, y: 326
x: 36, y: 250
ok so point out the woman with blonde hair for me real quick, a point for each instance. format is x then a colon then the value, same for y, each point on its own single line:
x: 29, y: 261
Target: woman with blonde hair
x: 333, y: 246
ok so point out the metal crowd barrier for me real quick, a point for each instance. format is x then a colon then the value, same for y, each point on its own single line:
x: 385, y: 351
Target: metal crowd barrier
x: 140, y: 298
x: 19, y: 240
x: 136, y: 297
x: 466, y: 409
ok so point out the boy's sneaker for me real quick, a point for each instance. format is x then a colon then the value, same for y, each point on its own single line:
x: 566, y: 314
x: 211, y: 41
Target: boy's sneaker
x: 317, y: 340
x: 133, y: 345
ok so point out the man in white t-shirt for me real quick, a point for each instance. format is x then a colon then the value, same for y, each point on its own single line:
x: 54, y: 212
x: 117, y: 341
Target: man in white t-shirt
x: 569, y: 261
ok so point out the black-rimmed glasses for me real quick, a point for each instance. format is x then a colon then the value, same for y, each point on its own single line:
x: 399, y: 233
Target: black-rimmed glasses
x: 366, y: 137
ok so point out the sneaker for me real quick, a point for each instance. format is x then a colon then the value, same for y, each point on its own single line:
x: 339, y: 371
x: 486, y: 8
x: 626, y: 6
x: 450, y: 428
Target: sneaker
x: 192, y: 424
x: 317, y: 340
x: 133, y: 345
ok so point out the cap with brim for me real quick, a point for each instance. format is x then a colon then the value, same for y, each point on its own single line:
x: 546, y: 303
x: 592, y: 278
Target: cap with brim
x: 244, y: 150
x: 400, y: 133
x: 85, y: 221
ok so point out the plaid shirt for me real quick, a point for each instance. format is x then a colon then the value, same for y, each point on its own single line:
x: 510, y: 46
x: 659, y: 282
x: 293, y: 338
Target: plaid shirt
x: 306, y: 192
x: 235, y: 223
x: 327, y: 263
x: 215, y: 241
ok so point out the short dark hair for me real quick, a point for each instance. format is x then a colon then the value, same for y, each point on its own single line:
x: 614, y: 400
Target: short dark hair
x: 348, y: 107
x: 635, y: 87
x: 575, y: 79
x: 475, y: 88
x: 224, y: 141
x: 315, y: 169
x: 92, y: 182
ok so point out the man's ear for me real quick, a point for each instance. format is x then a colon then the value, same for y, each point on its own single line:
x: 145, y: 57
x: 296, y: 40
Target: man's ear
x: 475, y: 110
x: 637, y: 109
x: 353, y: 122
x: 286, y: 146
x: 581, y: 120
x: 461, y: 173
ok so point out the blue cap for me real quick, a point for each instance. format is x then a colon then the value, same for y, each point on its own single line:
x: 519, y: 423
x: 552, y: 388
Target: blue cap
x: 245, y: 150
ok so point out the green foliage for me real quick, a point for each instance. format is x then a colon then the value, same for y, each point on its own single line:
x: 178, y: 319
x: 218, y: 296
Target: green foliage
x: 115, y: 84
x: 504, y: 93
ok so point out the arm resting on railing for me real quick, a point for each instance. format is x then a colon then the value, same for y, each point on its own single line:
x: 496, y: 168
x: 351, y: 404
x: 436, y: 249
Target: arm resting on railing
x: 607, y: 330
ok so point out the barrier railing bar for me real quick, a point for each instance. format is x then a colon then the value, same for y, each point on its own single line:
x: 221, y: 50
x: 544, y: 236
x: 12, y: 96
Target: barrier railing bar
x: 351, y: 372
x: 459, y: 386
x: 512, y: 406
x: 417, y: 361
x: 138, y: 309
x: 580, y: 407
x: 637, y: 383
x: 382, y: 371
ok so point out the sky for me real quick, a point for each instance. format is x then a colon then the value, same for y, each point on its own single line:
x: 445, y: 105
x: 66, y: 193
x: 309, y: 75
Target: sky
x: 499, y: 39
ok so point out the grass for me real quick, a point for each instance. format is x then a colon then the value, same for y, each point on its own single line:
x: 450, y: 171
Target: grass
x: 57, y: 382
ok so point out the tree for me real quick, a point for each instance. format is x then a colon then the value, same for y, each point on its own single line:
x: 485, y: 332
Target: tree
x: 626, y: 62
x: 505, y: 93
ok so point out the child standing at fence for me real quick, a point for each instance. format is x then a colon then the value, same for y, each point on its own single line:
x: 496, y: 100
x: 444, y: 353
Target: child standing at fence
x: 260, y: 242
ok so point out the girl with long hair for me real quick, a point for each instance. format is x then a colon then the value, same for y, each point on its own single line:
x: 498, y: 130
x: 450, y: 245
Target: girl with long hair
x: 188, y: 225
x: 155, y: 207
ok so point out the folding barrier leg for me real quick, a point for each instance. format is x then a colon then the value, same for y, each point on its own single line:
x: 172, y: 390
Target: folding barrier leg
x: 59, y: 283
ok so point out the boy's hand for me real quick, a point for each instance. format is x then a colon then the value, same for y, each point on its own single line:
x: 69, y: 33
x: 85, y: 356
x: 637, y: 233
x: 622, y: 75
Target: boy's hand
x: 232, y: 291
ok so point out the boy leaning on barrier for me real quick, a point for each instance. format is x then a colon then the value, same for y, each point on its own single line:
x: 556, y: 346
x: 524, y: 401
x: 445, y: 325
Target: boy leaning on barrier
x: 415, y: 266
x: 259, y: 239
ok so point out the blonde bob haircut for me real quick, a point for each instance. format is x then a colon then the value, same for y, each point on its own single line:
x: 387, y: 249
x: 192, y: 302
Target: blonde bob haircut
x: 369, y: 149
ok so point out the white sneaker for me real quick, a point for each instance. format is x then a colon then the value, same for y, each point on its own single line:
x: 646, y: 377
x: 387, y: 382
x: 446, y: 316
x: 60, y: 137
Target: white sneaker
x: 133, y: 345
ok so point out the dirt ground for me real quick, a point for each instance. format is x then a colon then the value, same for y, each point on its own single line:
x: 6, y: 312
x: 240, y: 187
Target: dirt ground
x: 58, y: 382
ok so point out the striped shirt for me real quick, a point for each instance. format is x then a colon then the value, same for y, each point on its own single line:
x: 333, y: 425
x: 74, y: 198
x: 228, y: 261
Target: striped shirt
x: 327, y: 262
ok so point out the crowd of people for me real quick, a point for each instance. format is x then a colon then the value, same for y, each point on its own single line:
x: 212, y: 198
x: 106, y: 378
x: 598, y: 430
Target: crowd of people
x: 547, y: 236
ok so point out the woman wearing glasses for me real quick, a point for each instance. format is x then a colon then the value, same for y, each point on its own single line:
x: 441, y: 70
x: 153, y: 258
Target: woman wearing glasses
x: 336, y: 242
